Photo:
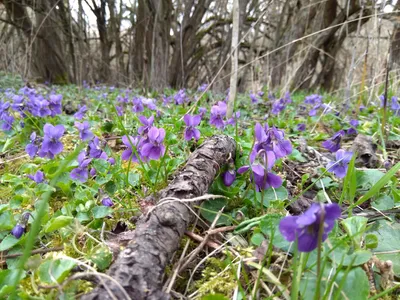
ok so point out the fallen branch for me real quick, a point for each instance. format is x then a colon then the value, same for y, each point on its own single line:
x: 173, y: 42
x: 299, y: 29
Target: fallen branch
x: 139, y: 268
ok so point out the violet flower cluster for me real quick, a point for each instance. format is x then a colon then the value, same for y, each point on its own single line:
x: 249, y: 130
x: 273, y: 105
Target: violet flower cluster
x: 48, y: 146
x: 180, y: 97
x: 315, y: 102
x: 148, y: 144
x: 333, y: 144
x: 191, y: 132
x: 305, y: 228
x: 218, y: 116
x: 28, y: 101
x: 81, y: 172
x: 270, y: 145
x: 280, y: 104
x: 340, y: 166
x: 394, y: 105
x: 352, y: 130
x: 139, y: 103
x: 38, y: 177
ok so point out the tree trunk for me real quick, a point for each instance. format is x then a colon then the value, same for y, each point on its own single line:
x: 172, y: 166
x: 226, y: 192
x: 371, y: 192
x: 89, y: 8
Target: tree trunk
x: 304, y: 74
x: 186, y: 42
x: 140, y: 266
x: 151, y: 60
x: 48, y: 58
x: 234, y: 58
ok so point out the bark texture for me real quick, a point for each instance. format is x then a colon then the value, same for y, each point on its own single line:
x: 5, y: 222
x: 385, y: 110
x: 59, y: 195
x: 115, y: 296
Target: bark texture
x: 140, y: 267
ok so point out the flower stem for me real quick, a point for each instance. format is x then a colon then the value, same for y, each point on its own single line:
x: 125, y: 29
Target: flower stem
x: 297, y: 271
x: 319, y: 250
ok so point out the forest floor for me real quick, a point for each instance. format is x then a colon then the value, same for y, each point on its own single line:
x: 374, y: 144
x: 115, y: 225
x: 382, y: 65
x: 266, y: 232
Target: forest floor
x: 296, y: 194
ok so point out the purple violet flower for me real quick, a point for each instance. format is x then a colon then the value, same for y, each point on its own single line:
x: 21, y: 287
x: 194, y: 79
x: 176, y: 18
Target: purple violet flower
x: 148, y: 123
x: 18, y: 230
x: 202, y: 111
x: 81, y: 173
x: 51, y: 142
x: 95, y: 149
x: 395, y: 106
x: 166, y: 100
x: 80, y: 113
x: 254, y: 98
x: 92, y: 172
x: 120, y: 110
x: 149, y: 103
x: 278, y: 106
x: 38, y: 177
x: 137, y: 105
x: 316, y: 101
x: 354, y: 123
x: 339, y: 167
x: 33, y: 147
x: 202, y: 87
x: 272, y: 141
x: 301, y: 127
x: 180, y: 97
x: 128, y: 153
x: 218, y: 112
x: 107, y: 202
x: 55, y: 104
x: 333, y: 144
x: 351, y: 131
x: 305, y: 228
x: 261, y: 177
x: 154, y: 148
x: 191, y: 131
x: 6, y: 121
x: 84, y: 130
x: 232, y: 121
x: 228, y: 177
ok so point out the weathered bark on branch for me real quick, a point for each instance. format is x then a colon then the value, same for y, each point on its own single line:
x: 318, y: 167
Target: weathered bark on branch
x: 140, y: 267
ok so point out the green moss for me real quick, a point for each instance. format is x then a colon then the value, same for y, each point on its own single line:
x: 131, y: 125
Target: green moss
x: 215, y: 279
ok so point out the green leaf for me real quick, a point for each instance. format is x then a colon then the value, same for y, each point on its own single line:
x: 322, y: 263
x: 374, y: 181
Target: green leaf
x: 257, y: 238
x: 3, y: 207
x: 279, y: 194
x: 43, y: 188
x: 101, y: 256
x: 6, y: 221
x: 356, y: 277
x: 210, y: 209
x: 396, y: 195
x: 6, y: 279
x: 110, y: 187
x: 371, y: 241
x: 55, y: 270
x: 57, y: 223
x: 100, y: 165
x: 133, y: 179
x: 344, y: 256
x: 214, y: 297
x: 355, y: 227
x: 378, y: 185
x: 383, y: 202
x: 388, y: 235
x: 107, y: 126
x: 269, y: 227
x: 296, y: 155
x: 8, y: 242
x: 100, y: 212
x: 327, y: 182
